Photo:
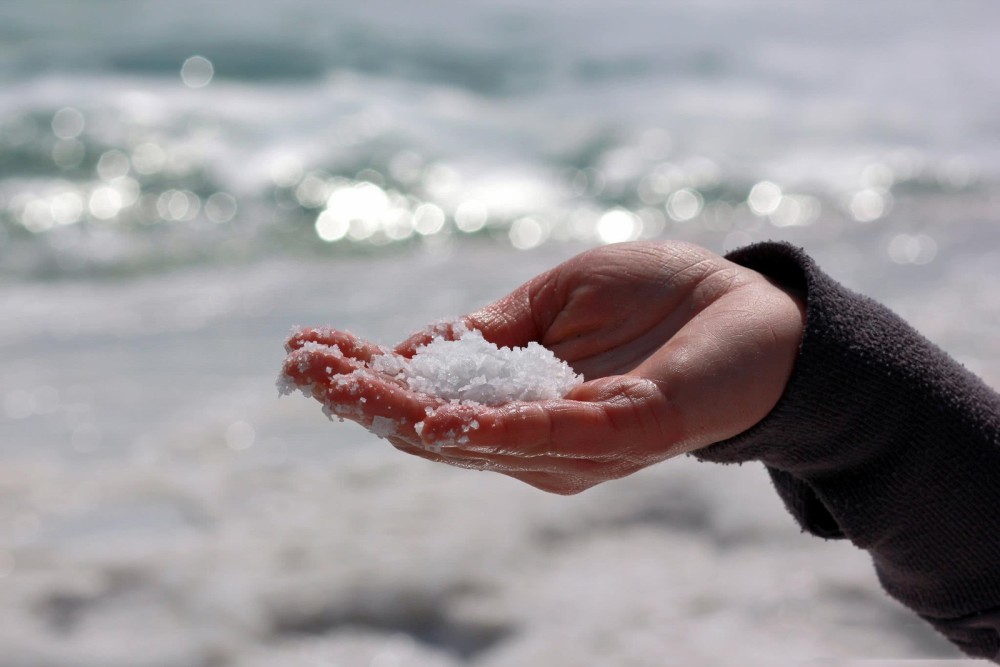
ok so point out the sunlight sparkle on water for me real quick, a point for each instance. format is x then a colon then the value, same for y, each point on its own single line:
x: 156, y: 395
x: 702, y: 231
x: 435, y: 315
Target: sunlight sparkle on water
x: 868, y: 205
x: 313, y: 190
x: 912, y: 249
x: 330, y: 227
x: 363, y: 211
x: 197, y: 72
x: 764, y: 198
x: 428, y: 219
x: 129, y: 189
x: 286, y: 170
x: 240, y: 435
x: 105, y: 203
x: 113, y: 164
x: 796, y: 210
x: 471, y: 216
x: 653, y: 221
x: 148, y: 158
x: 656, y: 186
x: 406, y: 167
x: 68, y: 153
x: 684, y: 205
x: 68, y: 123
x: 618, y: 225
x: 35, y: 215
x: 363, y: 201
x: 397, y: 224
x: 220, y: 207
x: 878, y: 176
x: 527, y: 233
x: 178, y: 205
x: 66, y: 208
x: 958, y: 173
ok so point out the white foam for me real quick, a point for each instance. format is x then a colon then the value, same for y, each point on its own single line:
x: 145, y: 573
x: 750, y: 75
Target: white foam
x: 471, y: 368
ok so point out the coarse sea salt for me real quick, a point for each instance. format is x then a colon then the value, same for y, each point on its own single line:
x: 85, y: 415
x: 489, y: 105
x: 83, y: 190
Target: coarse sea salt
x: 471, y: 369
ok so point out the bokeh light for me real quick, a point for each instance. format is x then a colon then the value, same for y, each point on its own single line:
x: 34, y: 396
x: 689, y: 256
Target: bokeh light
x: 618, y: 225
x: 764, y: 198
x: 912, y: 249
x: 66, y: 208
x: 428, y: 219
x: 68, y: 153
x: 148, y: 158
x: 684, y: 205
x: 105, y: 203
x: 868, y: 205
x: 527, y: 233
x: 197, y: 72
x: 471, y: 216
x: 68, y: 123
x: 220, y: 207
x: 112, y: 165
x: 240, y: 435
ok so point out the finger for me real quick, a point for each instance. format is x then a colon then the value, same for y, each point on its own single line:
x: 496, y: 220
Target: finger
x: 349, y: 390
x: 518, y: 318
x: 381, y: 405
x: 349, y: 344
x: 415, y: 448
x: 445, y: 330
x: 512, y: 321
x: 613, y: 411
x: 314, y: 365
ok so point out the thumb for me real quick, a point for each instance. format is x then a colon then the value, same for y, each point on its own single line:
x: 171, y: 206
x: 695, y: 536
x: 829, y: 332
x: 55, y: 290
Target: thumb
x: 511, y: 321
x: 524, y: 315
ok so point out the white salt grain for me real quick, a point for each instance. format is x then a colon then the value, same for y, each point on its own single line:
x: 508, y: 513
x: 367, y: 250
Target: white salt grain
x: 285, y: 385
x: 383, y: 427
x: 473, y: 369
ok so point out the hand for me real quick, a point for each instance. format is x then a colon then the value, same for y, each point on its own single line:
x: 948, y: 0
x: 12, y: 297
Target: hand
x: 679, y: 347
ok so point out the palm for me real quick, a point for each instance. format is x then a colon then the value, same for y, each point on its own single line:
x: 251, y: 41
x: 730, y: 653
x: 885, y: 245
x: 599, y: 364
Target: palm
x: 607, y: 311
x: 679, y: 347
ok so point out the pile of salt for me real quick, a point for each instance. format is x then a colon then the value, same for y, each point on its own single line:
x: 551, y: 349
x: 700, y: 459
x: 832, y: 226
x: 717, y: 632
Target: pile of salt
x: 470, y: 368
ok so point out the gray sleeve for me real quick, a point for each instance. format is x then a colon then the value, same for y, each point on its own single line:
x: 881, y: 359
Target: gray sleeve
x: 882, y: 439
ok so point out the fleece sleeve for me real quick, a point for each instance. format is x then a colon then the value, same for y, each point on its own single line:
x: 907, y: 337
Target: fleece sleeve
x: 882, y: 439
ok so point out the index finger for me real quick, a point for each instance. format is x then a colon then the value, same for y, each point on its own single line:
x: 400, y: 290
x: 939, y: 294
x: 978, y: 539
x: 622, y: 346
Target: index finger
x: 350, y: 345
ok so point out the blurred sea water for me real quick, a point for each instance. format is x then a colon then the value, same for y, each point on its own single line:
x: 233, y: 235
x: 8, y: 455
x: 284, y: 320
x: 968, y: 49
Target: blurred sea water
x: 145, y: 134
x: 182, y: 182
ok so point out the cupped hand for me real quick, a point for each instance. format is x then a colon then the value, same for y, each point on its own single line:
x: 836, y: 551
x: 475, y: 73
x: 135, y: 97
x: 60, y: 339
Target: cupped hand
x: 679, y: 348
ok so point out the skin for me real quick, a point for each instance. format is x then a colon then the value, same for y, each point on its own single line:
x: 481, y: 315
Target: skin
x: 679, y: 347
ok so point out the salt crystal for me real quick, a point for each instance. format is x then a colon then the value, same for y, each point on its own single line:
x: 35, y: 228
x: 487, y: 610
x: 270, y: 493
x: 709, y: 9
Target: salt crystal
x: 285, y: 385
x: 383, y: 427
x: 471, y: 368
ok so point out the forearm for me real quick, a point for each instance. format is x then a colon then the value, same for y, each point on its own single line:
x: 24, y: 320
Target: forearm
x: 883, y: 439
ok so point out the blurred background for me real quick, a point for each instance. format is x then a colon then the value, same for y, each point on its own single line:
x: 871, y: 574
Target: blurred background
x: 181, y: 182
